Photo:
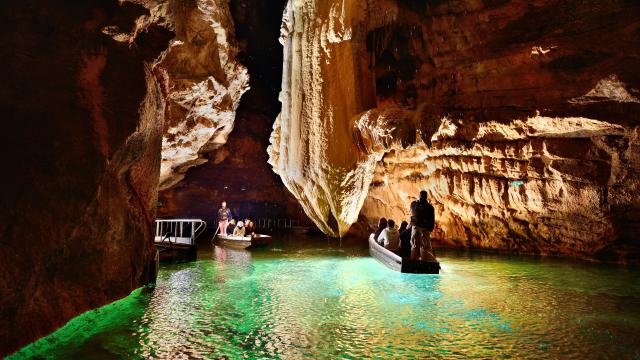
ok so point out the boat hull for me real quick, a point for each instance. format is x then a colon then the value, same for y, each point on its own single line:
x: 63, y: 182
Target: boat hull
x: 397, y: 263
x: 243, y: 242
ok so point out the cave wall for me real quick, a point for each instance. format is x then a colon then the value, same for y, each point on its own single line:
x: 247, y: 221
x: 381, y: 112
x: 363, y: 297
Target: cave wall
x: 82, y: 130
x: 519, y: 118
x: 238, y: 171
x: 535, y: 108
x: 205, y: 82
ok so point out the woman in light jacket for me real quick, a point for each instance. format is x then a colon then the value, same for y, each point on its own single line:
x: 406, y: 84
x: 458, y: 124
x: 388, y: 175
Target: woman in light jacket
x: 239, y: 230
x: 389, y: 236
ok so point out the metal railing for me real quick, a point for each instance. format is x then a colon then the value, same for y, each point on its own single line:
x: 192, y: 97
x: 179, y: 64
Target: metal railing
x: 277, y: 224
x: 179, y: 231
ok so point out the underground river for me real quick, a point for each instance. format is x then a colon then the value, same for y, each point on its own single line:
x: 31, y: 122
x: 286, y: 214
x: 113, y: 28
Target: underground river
x: 313, y: 298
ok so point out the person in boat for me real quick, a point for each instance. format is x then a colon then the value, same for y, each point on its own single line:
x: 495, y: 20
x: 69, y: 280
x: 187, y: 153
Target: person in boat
x: 389, y: 236
x: 422, y: 223
x: 382, y: 224
x: 224, y: 216
x: 250, y: 227
x: 231, y: 226
x: 405, y: 240
x: 239, y: 230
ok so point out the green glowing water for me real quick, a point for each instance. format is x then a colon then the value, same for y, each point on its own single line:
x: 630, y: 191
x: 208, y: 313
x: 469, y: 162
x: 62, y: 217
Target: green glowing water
x: 326, y: 301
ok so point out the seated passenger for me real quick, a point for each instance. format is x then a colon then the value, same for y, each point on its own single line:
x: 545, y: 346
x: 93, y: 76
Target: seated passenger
x: 382, y: 224
x: 389, y: 236
x: 250, y: 226
x: 239, y: 230
x: 403, y: 226
x: 405, y: 240
x: 231, y: 226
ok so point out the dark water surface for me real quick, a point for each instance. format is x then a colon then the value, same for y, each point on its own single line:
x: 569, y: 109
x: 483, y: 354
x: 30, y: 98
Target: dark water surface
x: 311, y: 298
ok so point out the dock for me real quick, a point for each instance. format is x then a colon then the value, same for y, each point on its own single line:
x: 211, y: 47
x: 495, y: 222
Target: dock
x: 175, y: 239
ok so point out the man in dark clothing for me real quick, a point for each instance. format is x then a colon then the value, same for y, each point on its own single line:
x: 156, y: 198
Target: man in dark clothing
x: 423, y: 220
x: 405, y: 240
x: 224, y: 215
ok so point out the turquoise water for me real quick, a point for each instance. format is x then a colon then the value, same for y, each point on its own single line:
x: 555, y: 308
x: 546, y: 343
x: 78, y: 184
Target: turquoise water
x: 323, y: 300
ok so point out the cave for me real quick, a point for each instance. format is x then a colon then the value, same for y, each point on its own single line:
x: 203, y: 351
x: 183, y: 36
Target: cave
x: 506, y: 133
x: 238, y: 171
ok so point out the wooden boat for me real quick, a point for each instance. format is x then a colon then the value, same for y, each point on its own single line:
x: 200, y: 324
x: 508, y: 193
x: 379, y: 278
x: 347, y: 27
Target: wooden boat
x: 243, y: 242
x: 397, y: 263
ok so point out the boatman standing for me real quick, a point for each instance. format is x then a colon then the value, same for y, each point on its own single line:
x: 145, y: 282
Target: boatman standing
x: 423, y: 220
x: 224, y: 215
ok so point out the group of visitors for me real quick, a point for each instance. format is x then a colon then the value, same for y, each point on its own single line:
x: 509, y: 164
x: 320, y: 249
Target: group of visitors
x: 228, y: 226
x: 410, y: 240
x: 242, y: 228
x: 391, y: 237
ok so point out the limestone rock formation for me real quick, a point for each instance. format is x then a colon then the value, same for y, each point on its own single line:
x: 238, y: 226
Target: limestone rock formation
x: 238, y: 171
x: 525, y: 118
x: 83, y: 115
x: 311, y: 145
x: 544, y: 185
x: 536, y: 110
x: 205, y: 82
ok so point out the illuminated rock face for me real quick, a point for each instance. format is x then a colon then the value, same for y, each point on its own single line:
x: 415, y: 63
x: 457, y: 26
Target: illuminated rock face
x: 529, y: 114
x: 312, y: 147
x: 544, y: 185
x: 205, y: 82
x: 82, y: 136
x: 520, y: 119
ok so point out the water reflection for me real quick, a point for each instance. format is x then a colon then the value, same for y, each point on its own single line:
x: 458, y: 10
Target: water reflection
x: 231, y: 262
x: 224, y: 255
x: 332, y: 302
x: 321, y: 300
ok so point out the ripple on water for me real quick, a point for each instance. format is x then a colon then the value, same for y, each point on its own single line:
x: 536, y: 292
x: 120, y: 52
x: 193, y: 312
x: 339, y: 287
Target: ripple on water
x: 330, y: 303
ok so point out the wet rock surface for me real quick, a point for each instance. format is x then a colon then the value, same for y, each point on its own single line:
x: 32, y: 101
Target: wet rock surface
x: 83, y: 129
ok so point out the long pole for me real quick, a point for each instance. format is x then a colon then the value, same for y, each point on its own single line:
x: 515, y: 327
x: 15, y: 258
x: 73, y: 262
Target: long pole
x: 215, y: 233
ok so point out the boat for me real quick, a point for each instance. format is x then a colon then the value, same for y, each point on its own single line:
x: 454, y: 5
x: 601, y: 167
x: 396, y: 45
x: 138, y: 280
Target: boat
x: 397, y: 263
x: 243, y: 242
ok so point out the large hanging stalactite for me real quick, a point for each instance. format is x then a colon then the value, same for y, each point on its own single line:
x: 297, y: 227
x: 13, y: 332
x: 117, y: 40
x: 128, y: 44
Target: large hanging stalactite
x: 312, y: 147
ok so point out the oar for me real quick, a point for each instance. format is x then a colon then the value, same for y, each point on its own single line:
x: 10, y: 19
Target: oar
x: 215, y: 233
